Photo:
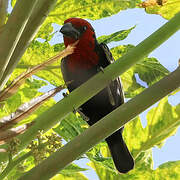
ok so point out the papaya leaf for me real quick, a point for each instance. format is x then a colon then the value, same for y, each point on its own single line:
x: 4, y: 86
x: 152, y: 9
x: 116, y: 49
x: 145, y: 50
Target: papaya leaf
x: 117, y: 36
x: 72, y: 168
x: 73, y: 176
x: 170, y: 170
x: 26, y: 109
x: 149, y: 70
x: 7, y: 135
x: 38, y: 53
x: 70, y: 127
x: 165, y: 8
x: 88, y: 9
x: 163, y: 122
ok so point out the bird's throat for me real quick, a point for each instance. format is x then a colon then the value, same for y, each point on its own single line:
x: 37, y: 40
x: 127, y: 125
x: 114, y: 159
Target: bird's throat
x: 83, y: 58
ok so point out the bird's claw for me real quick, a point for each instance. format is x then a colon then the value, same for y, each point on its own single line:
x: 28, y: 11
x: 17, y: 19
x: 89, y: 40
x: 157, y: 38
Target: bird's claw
x: 101, y: 69
x: 65, y: 94
x: 74, y: 110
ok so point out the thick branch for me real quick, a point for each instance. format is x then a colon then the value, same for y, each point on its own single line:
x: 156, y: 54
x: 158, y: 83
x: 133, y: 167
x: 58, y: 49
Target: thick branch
x: 3, y: 11
x: 98, y: 82
x: 26, y: 66
x: 12, y: 31
x: 40, y: 12
x: 11, y: 165
x: 104, y: 128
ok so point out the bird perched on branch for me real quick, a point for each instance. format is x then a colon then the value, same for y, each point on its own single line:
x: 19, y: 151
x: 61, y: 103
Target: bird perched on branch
x: 88, y: 58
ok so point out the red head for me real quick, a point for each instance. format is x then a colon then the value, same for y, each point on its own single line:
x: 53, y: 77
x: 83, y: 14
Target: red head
x: 77, y: 29
x: 84, y: 56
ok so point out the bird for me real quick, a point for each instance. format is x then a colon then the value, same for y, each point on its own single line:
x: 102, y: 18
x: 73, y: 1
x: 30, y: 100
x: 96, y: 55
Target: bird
x: 90, y: 57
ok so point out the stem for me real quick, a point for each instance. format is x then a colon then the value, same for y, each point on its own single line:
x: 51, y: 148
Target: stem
x: 3, y: 11
x: 53, y: 115
x: 39, y: 14
x: 26, y: 66
x: 11, y: 33
x: 103, y: 128
x: 12, y: 164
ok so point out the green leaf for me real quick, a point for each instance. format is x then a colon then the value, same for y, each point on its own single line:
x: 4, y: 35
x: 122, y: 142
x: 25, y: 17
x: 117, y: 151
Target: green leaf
x: 37, y: 53
x: 150, y: 70
x: 70, y: 127
x: 102, y: 172
x: 72, y: 168
x: 117, y: 36
x: 88, y: 9
x: 169, y: 171
x: 21, y: 168
x: 100, y: 154
x: 163, y: 122
x: 74, y: 176
x: 73, y: 126
x: 167, y: 8
x: 130, y: 86
x: 25, y: 93
x: 13, y: 2
x: 45, y: 31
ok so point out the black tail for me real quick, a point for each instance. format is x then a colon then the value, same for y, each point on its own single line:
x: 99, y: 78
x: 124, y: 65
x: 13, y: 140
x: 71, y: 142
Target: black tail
x: 121, y: 156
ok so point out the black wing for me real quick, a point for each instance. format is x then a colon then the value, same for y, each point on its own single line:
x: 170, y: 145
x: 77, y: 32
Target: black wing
x: 115, y: 89
x: 106, y: 100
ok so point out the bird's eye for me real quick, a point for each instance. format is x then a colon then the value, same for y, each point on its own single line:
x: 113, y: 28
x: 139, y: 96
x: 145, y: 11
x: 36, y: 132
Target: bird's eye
x: 84, y: 28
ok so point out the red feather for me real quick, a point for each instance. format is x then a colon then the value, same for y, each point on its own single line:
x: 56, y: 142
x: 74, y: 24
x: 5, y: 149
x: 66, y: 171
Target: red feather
x: 84, y: 56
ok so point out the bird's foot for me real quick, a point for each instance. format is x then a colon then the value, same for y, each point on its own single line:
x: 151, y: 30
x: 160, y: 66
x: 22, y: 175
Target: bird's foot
x: 65, y: 94
x: 100, y: 69
x: 76, y: 110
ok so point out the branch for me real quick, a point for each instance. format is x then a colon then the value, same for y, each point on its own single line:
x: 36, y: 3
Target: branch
x: 98, y: 82
x: 3, y: 11
x: 12, y: 164
x: 26, y: 66
x: 39, y: 14
x: 12, y: 32
x: 16, y: 83
x: 7, y: 135
x: 26, y: 109
x: 103, y: 128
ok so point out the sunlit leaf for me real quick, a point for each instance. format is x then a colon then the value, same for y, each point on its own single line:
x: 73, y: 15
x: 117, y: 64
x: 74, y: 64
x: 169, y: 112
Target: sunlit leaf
x: 163, y: 122
x: 27, y: 109
x: 72, y: 168
x: 38, y: 53
x: 7, y: 135
x: 169, y: 171
x: 148, y: 69
x: 26, y: 92
x: 165, y: 8
x: 89, y: 9
x: 73, y: 176
x: 117, y: 36
x: 70, y: 127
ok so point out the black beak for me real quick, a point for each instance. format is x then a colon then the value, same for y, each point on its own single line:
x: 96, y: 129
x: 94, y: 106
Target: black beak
x: 69, y: 31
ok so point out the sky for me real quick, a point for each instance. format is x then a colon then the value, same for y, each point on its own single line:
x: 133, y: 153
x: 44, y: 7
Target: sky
x: 168, y: 54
